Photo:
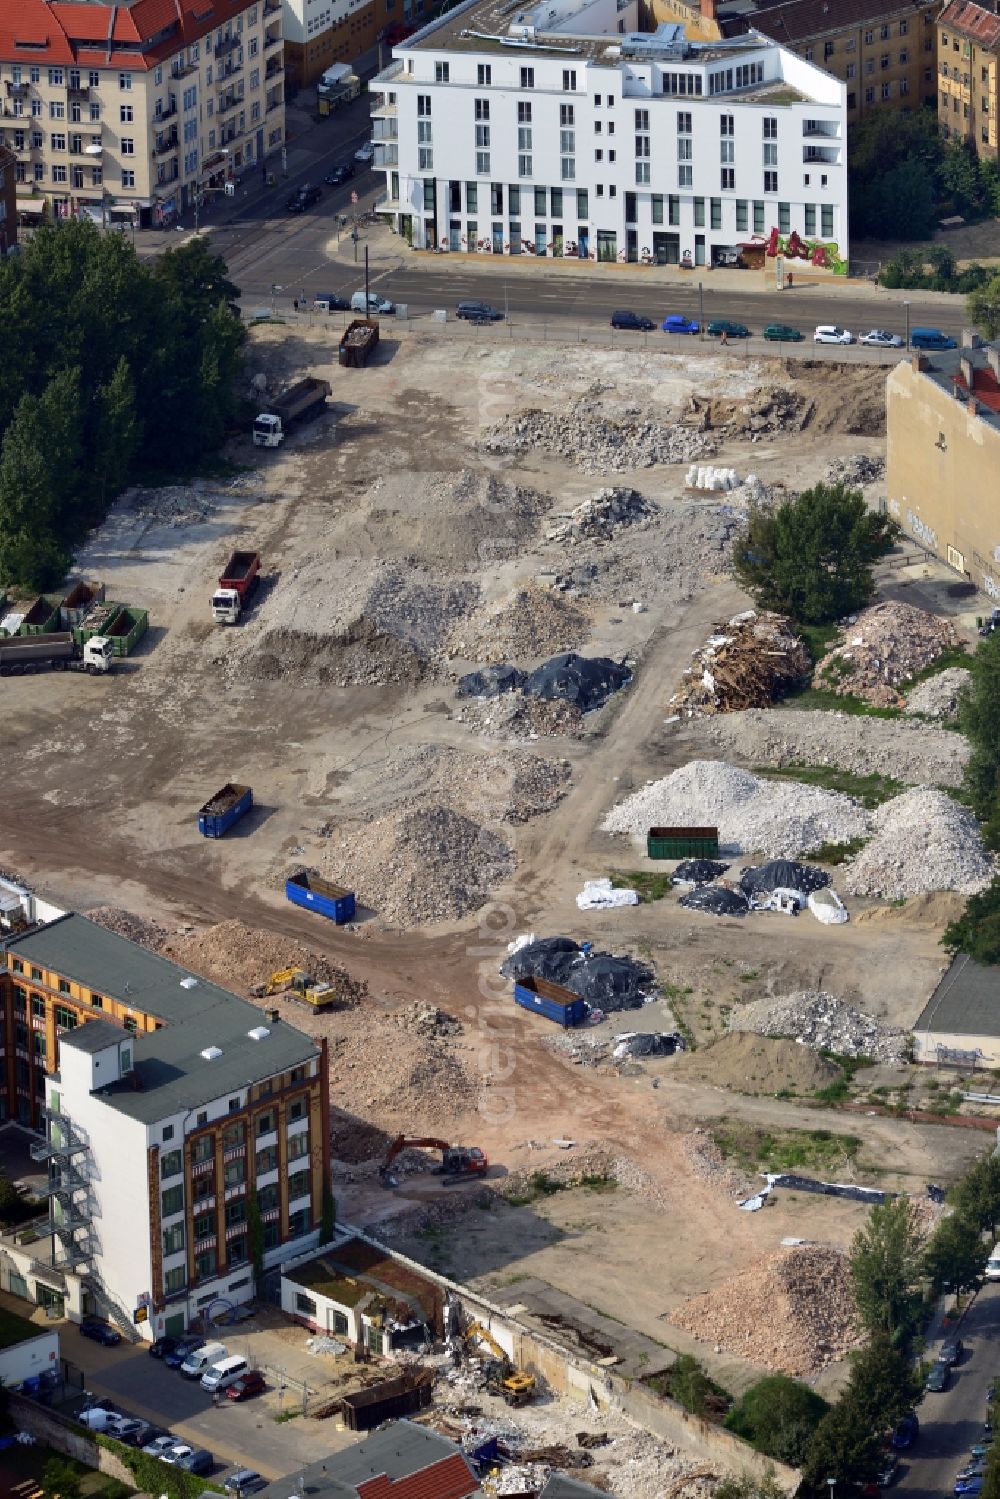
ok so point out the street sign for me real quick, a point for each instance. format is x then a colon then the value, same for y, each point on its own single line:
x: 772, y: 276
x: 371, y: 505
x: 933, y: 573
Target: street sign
x: 141, y: 1314
x: 354, y: 196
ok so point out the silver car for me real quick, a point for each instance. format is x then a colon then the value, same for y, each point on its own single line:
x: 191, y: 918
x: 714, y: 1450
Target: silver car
x: 880, y: 338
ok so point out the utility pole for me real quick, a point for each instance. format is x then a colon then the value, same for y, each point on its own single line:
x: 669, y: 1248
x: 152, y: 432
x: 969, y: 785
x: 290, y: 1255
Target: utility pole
x: 366, y: 279
x: 701, y: 309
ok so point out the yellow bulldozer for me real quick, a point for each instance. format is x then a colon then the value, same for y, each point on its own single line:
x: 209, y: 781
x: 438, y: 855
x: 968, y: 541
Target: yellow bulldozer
x: 297, y: 984
x: 516, y: 1387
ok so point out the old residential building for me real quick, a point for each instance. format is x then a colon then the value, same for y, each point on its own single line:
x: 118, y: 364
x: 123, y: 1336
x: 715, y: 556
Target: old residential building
x: 943, y: 458
x: 186, y: 1131
x: 563, y: 131
x: 8, y: 200
x: 968, y: 39
x: 130, y: 112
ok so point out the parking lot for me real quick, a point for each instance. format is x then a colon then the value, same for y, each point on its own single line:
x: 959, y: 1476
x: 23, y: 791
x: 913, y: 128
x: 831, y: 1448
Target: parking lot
x: 268, y: 1432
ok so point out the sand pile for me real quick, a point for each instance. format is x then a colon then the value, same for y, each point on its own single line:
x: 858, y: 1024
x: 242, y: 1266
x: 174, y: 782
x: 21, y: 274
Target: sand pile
x: 793, y: 1311
x: 748, y: 1063
x: 241, y: 957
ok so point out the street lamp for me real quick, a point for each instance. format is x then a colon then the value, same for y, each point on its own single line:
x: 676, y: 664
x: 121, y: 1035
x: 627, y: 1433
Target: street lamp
x: 907, y: 306
x: 833, y: 1484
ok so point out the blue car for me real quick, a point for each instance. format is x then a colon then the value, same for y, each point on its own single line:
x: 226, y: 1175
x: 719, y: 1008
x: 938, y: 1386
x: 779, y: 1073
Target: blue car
x: 969, y: 1485
x: 101, y: 1332
x: 180, y: 1351
x: 676, y: 323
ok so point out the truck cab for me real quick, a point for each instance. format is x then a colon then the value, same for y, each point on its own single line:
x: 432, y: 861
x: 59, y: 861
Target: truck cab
x: 267, y: 430
x: 226, y: 606
x: 98, y: 654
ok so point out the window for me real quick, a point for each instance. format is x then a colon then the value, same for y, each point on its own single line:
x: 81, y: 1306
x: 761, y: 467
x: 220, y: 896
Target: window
x: 642, y: 119
x: 784, y: 218
x: 656, y: 208
x: 904, y: 88
x: 266, y: 1160
x: 741, y: 215
x: 770, y: 154
x: 305, y: 1305
x: 887, y: 91
x: 567, y: 168
x: 567, y: 141
x: 870, y: 37
x: 234, y: 1173
x: 484, y: 75
x: 642, y: 145
x: 683, y: 122
x: 483, y: 163
x: 127, y: 146
x: 98, y: 1004
x: 298, y: 1185
x: 205, y: 1264
x: 174, y: 1280
x: 482, y: 137
x: 883, y: 32
x: 425, y: 159
x: 173, y: 1239
x: 685, y: 148
x: 673, y: 209
x: 17, y: 965
x: 685, y: 176
x: 770, y: 182
x: 527, y: 77
x: 523, y: 138
x: 539, y: 202
x: 66, y: 1019
x: 171, y: 1163
x: 56, y: 77
x: 125, y: 82
x: 699, y: 213
x: 64, y: 987
x: 715, y: 212
x: 642, y: 173
x: 202, y: 1149
x: 851, y: 69
x: 126, y: 114
x: 727, y: 151
x: 37, y: 1004
x: 758, y: 216
x: 96, y: 176
x: 524, y: 112
x: 826, y: 212
x: 34, y: 74
x: 234, y: 1135
x: 852, y: 100
x: 299, y: 1223
x: 828, y: 50
x: 810, y: 218
x: 870, y: 65
x: 172, y: 1201
x: 904, y: 56
x: 598, y: 155
x: 236, y: 1212
x: 423, y: 104
x: 482, y: 109
x: 869, y: 96
x: 569, y: 80
x: 883, y: 62
x: 582, y: 203
x: 513, y: 201
x: 266, y: 1122
x: 726, y: 126
x: 442, y: 72
x: 423, y: 132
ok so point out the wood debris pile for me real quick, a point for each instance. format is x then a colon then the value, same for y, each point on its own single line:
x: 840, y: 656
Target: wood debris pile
x: 748, y: 663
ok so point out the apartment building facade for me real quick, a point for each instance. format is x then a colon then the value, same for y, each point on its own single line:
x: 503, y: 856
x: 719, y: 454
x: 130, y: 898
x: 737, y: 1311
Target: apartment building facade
x: 567, y: 133
x: 8, y: 201
x: 319, y: 33
x: 130, y: 113
x: 968, y: 55
x: 185, y: 1131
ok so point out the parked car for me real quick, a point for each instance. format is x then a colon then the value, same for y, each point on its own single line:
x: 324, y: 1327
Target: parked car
x: 328, y: 301
x: 478, y: 312
x: 249, y: 1384
x: 161, y: 1347
x: 160, y: 1446
x: 339, y: 174
x: 970, y: 1485
x: 938, y: 1379
x: 175, y: 1452
x: 830, y: 333
x: 180, y: 1351
x: 365, y: 152
x: 879, y: 338
x: 676, y: 322
x: 101, y: 1332
x: 982, y: 1449
x: 98, y: 1418
x: 303, y: 199
x: 906, y: 1432
x: 244, y: 1481
x: 375, y: 303
x: 633, y: 321
x: 972, y: 1470
x: 732, y: 330
x: 993, y: 1273
x: 782, y: 333
x: 931, y: 338
x: 951, y: 1352
x: 196, y: 1460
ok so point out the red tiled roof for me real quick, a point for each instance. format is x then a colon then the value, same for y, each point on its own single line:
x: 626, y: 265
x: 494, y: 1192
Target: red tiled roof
x: 793, y: 22
x: 985, y: 388
x: 972, y: 21
x: 69, y: 31
x: 452, y: 1478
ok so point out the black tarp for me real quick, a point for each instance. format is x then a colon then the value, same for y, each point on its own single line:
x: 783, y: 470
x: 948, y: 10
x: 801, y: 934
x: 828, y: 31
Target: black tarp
x: 715, y: 900
x: 586, y: 681
x: 831, y: 1189
x: 605, y: 981
x: 697, y: 871
x: 783, y: 874
x: 651, y: 1044
x: 491, y: 681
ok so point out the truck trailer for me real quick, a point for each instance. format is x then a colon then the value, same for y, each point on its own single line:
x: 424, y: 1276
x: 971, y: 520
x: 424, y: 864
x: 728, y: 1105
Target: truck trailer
x: 22, y: 654
x: 306, y: 399
x: 359, y: 342
x: 237, y: 582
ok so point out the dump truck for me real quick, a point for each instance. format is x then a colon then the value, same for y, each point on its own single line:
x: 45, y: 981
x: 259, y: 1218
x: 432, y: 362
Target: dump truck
x: 237, y: 582
x: 224, y: 809
x: 316, y: 894
x: 306, y: 399
x: 21, y: 654
x: 359, y: 342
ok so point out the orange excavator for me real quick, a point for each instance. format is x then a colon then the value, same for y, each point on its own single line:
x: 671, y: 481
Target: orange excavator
x: 457, y: 1161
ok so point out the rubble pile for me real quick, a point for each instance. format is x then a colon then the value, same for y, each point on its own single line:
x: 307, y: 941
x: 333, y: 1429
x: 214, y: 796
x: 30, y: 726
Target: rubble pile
x: 243, y: 957
x: 923, y: 841
x: 362, y: 655
x: 419, y: 1086
x: 902, y: 749
x: 880, y: 649
x: 856, y: 471
x: 769, y: 409
x: 793, y: 1311
x: 425, y: 865
x: 510, y: 787
x: 751, y: 661
x: 937, y: 697
x: 419, y: 609
x: 707, y: 1162
x: 602, y: 514
x: 424, y: 1019
x: 818, y: 1019
x: 173, y: 505
x: 126, y: 924
x: 531, y: 623
x: 779, y: 819
x: 596, y: 444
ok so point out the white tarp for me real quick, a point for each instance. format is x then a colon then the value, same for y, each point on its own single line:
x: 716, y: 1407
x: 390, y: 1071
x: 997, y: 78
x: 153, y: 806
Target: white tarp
x: 827, y: 907
x: 601, y: 894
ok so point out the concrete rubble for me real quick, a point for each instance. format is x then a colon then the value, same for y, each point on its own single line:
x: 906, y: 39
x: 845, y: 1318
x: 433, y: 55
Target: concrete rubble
x: 856, y: 471
x: 529, y: 624
x: 779, y: 819
x: 126, y: 924
x: 594, y: 443
x: 923, y: 841
x: 750, y: 661
x: 601, y: 514
x: 882, y: 648
x: 937, y: 697
x: 824, y: 1021
x: 424, y: 1019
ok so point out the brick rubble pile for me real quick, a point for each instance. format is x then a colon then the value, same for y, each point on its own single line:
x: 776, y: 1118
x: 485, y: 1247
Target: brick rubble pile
x: 884, y: 647
x: 815, y: 1018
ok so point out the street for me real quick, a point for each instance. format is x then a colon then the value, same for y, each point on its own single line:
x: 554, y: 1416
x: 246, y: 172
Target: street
x: 950, y: 1423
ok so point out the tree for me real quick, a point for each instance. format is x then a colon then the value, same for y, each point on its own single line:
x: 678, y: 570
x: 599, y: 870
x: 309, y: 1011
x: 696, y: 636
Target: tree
x: 885, y: 1266
x: 9, y: 1196
x: 976, y: 1197
x: 779, y: 1416
x: 39, y: 471
x: 813, y: 557
x: 979, y: 721
x: 60, y: 1479
x: 977, y: 930
x: 750, y: 1486
x: 956, y: 1254
x: 117, y: 434
x: 982, y: 307
x: 882, y: 1387
x: 690, y: 1386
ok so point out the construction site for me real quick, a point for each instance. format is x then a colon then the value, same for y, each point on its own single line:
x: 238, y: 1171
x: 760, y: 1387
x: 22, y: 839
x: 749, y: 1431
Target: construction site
x: 495, y: 648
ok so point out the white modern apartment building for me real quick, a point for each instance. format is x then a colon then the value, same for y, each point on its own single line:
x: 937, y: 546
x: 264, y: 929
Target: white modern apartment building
x: 561, y: 130
x: 131, y: 112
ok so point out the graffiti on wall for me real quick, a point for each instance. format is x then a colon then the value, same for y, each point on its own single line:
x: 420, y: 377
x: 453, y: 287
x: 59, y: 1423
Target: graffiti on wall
x: 922, y: 531
x: 823, y: 253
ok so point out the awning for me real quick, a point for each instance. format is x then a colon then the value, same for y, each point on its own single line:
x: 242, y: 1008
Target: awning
x: 30, y: 205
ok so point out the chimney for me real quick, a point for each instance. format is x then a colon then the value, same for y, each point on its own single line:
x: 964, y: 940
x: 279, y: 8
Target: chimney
x: 708, y: 10
x: 965, y: 365
x: 973, y: 406
x: 993, y: 355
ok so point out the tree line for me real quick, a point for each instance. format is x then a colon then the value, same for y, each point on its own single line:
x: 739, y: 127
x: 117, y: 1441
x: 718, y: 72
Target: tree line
x: 904, y: 175
x: 115, y: 370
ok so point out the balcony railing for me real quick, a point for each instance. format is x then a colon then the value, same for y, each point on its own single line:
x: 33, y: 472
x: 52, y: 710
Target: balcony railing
x: 273, y: 41
x: 274, y: 104
x: 226, y: 44
x: 167, y: 113
x: 168, y: 144
x: 18, y: 90
x: 228, y: 102
x: 385, y: 130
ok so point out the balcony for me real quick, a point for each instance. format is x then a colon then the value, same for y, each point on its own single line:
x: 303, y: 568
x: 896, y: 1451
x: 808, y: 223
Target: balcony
x: 226, y: 44
x: 78, y: 94
x: 200, y: 1245
x: 385, y: 156
x: 231, y: 1193
x: 183, y: 69
x: 273, y: 69
x: 17, y: 90
x: 815, y: 129
x: 230, y: 71
x: 272, y: 7
x: 270, y: 1215
x: 382, y: 109
x: 227, y: 102
x: 273, y: 39
x: 166, y: 113
x: 200, y: 1167
x: 234, y: 1153
x: 819, y: 155
x: 392, y: 70
x: 273, y: 104
x: 170, y: 142
x: 385, y: 130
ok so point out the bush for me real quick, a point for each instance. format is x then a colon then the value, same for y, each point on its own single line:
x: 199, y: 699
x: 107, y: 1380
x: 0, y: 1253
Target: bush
x: 977, y: 930
x: 778, y: 1415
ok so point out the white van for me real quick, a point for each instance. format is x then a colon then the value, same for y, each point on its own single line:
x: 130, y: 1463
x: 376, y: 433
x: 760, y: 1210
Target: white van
x: 993, y: 1264
x: 375, y: 303
x: 202, y: 1359
x: 220, y: 1376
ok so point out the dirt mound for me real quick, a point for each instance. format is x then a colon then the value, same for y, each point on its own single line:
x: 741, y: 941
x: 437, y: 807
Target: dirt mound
x: 452, y: 521
x: 361, y: 656
x: 240, y: 957
x: 748, y: 1063
x: 534, y: 622
x: 126, y: 924
x: 775, y: 408
x: 418, y: 1087
x: 792, y: 1311
x: 431, y: 864
x: 883, y: 648
x: 847, y: 398
x: 510, y: 787
x: 936, y: 909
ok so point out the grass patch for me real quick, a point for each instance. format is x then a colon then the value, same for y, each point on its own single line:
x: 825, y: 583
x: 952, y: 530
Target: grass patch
x: 955, y: 656
x: 840, y: 1089
x: 539, y: 1185
x: 871, y: 791
x: 824, y: 700
x: 597, y: 1183
x: 25, y: 1464
x: 650, y: 884
x: 818, y: 638
x: 835, y: 853
x: 689, y: 1384
x: 16, y: 1329
x: 678, y: 998
x: 757, y: 1149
